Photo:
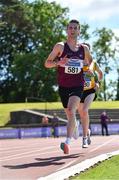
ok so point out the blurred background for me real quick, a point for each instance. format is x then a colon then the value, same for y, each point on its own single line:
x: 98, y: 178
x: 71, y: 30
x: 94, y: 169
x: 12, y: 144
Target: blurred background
x: 28, y: 32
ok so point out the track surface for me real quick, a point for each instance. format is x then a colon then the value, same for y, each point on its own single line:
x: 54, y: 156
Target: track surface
x: 30, y: 159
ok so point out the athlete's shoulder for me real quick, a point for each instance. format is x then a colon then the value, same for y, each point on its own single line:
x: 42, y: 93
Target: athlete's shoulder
x: 58, y: 48
x: 86, y: 49
x: 60, y: 44
x: 88, y: 57
x: 86, y: 46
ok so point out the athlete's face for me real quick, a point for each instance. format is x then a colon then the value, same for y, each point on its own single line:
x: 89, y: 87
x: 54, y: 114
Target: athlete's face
x: 73, y: 30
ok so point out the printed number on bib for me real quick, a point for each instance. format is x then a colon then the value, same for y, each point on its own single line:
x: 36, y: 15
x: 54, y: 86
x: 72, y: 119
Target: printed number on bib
x: 87, y: 84
x: 72, y: 69
x: 73, y: 66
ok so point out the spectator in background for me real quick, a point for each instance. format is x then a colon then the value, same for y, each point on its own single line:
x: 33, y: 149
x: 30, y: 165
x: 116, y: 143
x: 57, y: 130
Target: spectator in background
x: 104, y: 122
x: 45, y: 120
x: 55, y: 121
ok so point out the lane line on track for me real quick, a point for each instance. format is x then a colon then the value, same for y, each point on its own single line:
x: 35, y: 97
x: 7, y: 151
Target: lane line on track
x: 71, y: 171
x: 28, y: 154
x: 68, y: 164
x: 19, y: 147
x: 86, y: 164
x: 89, y: 152
x: 98, y: 147
x: 25, y: 153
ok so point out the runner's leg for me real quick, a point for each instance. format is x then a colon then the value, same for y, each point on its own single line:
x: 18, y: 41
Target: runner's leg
x: 71, y: 114
x: 84, y: 113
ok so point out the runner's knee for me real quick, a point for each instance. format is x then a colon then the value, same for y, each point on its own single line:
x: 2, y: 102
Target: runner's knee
x: 71, y: 112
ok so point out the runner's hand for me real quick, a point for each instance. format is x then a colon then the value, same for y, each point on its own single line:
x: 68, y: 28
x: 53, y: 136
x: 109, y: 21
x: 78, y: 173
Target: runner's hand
x: 63, y: 61
x: 97, y: 86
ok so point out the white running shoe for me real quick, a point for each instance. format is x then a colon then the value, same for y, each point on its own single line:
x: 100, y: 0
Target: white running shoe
x: 85, y: 142
x: 76, y: 130
x: 88, y: 137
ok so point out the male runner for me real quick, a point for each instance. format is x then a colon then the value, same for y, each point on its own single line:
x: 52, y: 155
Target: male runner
x: 71, y: 56
x: 90, y: 87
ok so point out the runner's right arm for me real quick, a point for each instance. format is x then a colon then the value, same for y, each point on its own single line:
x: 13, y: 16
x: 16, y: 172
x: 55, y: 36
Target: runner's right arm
x: 51, y: 61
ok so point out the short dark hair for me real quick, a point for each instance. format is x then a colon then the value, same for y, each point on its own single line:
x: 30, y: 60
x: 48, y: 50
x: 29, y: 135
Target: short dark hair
x: 74, y: 21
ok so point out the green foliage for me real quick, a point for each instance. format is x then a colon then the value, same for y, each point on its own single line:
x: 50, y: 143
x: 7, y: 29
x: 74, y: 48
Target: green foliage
x: 28, y: 33
x: 102, y: 46
x: 104, y: 53
x: 84, y: 35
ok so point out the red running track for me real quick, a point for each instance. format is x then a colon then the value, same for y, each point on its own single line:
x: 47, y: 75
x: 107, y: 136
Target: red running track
x: 30, y: 159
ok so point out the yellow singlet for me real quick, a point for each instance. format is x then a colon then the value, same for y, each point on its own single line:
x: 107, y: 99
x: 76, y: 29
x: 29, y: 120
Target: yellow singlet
x: 89, y: 79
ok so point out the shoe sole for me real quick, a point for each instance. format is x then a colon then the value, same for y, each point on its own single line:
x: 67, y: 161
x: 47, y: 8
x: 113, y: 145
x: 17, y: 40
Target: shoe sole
x: 64, y: 147
x: 84, y: 146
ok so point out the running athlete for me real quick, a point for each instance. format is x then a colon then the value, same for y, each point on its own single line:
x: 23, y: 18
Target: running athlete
x: 90, y: 87
x: 71, y: 56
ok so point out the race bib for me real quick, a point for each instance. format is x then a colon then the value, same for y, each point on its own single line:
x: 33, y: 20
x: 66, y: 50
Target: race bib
x: 89, y: 81
x: 74, y: 66
x: 87, y: 84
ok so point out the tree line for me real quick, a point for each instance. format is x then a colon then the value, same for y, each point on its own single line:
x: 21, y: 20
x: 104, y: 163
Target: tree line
x: 28, y: 32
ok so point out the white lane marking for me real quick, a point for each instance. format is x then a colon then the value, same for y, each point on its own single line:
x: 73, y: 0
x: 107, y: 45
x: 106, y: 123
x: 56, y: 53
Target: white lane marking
x: 25, y: 153
x: 68, y: 164
x: 98, y: 147
x: 19, y: 149
x: 71, y: 171
x: 30, y: 155
x: 20, y: 146
x: 88, y: 151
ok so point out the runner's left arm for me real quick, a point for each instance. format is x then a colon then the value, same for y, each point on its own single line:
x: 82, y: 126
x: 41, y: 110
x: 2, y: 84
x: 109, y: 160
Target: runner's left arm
x: 88, y: 58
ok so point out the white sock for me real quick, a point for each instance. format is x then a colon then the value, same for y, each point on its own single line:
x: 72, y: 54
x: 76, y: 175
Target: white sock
x: 68, y: 140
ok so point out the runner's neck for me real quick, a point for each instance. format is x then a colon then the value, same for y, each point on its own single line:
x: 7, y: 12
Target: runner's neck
x: 73, y: 44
